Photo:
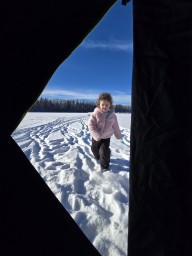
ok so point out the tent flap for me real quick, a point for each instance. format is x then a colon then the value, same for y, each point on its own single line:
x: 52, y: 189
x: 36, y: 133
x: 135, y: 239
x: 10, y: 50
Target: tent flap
x: 160, y: 213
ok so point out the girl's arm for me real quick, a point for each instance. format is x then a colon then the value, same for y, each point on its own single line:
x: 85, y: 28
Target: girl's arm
x: 117, y: 131
x: 92, y: 126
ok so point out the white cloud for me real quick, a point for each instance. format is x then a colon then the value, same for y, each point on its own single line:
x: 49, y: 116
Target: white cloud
x: 119, y: 45
x: 122, y: 99
x: 54, y: 93
x: 119, y: 97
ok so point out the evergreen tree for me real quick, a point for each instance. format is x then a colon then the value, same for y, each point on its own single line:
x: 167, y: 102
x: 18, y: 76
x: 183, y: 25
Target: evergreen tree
x: 76, y: 106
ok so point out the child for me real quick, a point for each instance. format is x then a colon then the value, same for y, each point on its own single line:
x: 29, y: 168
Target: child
x: 102, y: 124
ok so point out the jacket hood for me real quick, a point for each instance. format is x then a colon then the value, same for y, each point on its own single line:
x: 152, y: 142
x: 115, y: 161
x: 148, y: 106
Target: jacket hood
x: 97, y: 109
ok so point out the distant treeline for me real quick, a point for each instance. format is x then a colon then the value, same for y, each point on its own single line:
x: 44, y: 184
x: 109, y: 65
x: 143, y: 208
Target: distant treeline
x: 76, y: 106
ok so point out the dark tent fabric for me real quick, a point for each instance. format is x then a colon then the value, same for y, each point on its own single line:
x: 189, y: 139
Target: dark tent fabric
x: 36, y: 37
x: 160, y: 212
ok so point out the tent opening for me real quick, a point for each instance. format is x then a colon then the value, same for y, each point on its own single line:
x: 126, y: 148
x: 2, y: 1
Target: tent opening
x: 55, y: 138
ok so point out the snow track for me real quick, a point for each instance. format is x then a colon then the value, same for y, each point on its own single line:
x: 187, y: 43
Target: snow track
x: 58, y: 146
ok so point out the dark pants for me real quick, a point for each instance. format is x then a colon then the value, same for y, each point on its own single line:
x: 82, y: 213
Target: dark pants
x: 102, y: 151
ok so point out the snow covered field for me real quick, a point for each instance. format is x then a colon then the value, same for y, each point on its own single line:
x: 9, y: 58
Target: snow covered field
x: 58, y: 146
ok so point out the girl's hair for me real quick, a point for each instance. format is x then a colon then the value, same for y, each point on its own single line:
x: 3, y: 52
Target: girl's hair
x: 105, y: 96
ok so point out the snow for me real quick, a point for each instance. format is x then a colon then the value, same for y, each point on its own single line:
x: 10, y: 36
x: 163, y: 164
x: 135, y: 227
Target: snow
x: 58, y: 146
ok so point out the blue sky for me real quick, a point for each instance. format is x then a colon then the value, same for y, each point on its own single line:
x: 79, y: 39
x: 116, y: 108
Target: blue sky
x: 102, y: 62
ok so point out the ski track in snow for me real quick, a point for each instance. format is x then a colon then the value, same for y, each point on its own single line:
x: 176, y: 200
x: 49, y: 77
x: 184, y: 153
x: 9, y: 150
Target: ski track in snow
x: 60, y: 151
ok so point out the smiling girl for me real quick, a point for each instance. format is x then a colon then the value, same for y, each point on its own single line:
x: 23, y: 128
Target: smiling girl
x: 102, y: 124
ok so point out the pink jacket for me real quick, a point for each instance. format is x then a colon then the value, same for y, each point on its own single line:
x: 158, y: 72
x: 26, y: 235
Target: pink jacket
x: 102, y: 126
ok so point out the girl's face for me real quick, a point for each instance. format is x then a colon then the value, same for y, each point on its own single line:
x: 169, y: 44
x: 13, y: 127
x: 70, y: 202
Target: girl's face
x: 104, y: 105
